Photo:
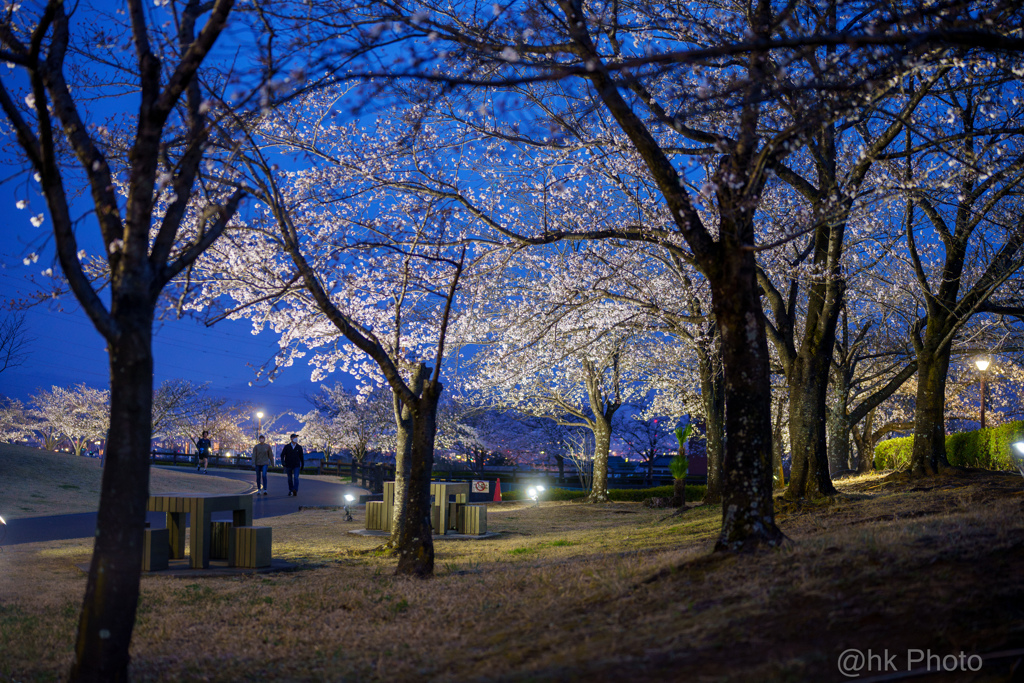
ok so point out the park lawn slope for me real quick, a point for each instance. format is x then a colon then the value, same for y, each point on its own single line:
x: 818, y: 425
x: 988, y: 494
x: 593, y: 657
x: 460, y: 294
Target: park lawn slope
x: 37, y: 483
x: 611, y: 592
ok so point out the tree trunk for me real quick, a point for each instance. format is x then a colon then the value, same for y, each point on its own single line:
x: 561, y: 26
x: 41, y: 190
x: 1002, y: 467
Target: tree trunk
x: 404, y: 439
x: 778, y: 447
x: 679, y: 493
x: 748, y: 518
x: 865, y: 444
x: 602, y: 445
x: 112, y: 589
x: 929, y: 415
x: 416, y: 543
x: 712, y: 389
x: 839, y: 456
x: 403, y: 459
x: 808, y: 389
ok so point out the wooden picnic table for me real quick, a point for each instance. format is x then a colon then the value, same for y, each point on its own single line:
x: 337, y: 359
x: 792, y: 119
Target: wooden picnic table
x: 200, y: 507
x: 441, y: 491
x: 446, y: 497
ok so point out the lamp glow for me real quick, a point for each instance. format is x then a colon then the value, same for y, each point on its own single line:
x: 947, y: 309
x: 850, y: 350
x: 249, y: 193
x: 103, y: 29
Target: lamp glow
x: 534, y: 494
x: 1019, y: 446
x: 982, y: 363
x: 2, y: 521
x: 348, y: 501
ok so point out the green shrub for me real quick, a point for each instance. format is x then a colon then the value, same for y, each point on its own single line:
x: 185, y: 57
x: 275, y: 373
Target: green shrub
x: 987, y: 448
x: 894, y: 454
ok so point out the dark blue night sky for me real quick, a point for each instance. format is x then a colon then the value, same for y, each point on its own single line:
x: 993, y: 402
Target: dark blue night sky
x: 67, y: 349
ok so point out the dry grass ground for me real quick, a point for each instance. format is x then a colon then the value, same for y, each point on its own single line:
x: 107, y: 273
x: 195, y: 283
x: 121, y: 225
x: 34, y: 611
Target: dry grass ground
x: 35, y: 482
x: 572, y: 592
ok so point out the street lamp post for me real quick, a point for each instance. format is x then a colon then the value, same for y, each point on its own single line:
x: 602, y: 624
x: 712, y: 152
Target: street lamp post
x: 982, y: 364
x: 259, y: 425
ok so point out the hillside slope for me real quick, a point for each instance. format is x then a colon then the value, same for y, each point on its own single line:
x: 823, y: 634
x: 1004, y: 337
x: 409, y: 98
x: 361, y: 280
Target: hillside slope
x: 35, y: 482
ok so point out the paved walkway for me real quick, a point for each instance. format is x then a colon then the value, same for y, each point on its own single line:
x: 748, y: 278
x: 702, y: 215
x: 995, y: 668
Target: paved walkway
x: 312, y: 493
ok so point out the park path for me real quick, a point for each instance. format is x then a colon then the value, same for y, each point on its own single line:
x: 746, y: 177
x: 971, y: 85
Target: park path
x: 312, y: 493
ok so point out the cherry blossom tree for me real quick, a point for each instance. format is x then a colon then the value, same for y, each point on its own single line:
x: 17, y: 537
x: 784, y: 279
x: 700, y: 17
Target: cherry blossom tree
x: 548, y: 352
x: 79, y: 414
x: 646, y: 116
x: 180, y: 407
x: 151, y: 56
x: 15, y: 421
x: 961, y: 180
x: 647, y: 438
x: 342, y: 420
x: 324, y: 261
x: 828, y: 177
x: 706, y: 109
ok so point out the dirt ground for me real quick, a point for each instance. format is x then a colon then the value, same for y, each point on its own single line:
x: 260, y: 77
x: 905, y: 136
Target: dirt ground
x: 896, y: 578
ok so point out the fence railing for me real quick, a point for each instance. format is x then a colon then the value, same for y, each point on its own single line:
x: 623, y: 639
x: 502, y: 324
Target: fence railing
x: 216, y: 460
x: 373, y: 475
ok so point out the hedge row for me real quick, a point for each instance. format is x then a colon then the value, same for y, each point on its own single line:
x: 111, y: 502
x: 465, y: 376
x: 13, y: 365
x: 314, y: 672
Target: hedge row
x: 987, y: 448
x: 694, y: 493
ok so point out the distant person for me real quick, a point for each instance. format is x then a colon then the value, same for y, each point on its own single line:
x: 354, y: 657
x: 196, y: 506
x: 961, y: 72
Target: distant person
x: 203, y: 448
x: 262, y: 457
x: 293, y: 460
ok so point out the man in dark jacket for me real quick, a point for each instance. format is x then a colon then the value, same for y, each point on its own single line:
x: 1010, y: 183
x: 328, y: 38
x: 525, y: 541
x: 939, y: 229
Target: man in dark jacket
x: 292, y: 459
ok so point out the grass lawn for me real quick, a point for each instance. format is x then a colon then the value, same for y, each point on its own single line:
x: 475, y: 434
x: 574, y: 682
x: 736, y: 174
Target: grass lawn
x: 34, y: 482
x: 574, y: 592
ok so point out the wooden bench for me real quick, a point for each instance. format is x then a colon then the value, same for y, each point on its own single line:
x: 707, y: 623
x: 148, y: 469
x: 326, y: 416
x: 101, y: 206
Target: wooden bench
x: 375, y: 515
x: 220, y: 540
x: 472, y: 519
x: 156, y: 550
x: 448, y: 511
x: 250, y: 546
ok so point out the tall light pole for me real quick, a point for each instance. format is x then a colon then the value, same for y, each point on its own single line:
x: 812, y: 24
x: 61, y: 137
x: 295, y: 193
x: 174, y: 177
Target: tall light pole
x: 259, y: 427
x: 982, y: 364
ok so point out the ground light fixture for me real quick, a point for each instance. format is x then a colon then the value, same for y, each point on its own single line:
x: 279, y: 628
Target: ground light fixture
x: 348, y: 501
x: 534, y: 494
x: 1019, y: 461
x: 3, y: 523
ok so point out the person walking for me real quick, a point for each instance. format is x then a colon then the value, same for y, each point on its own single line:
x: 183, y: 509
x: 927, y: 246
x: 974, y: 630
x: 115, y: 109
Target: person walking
x: 203, y: 448
x: 293, y: 459
x: 262, y: 456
